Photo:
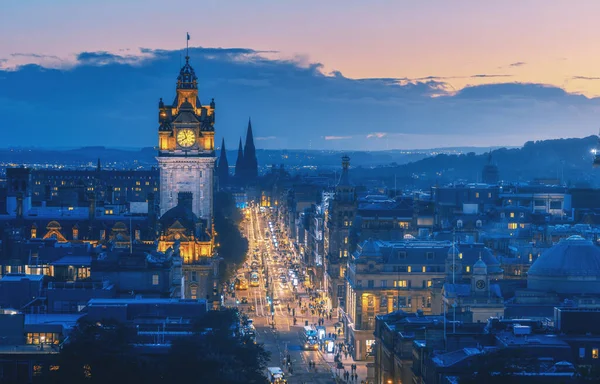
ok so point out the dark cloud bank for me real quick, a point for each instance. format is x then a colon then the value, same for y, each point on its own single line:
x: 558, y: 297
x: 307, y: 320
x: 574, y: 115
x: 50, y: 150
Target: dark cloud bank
x: 111, y: 100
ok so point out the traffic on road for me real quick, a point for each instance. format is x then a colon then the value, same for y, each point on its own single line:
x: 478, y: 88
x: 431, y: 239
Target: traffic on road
x: 281, y: 308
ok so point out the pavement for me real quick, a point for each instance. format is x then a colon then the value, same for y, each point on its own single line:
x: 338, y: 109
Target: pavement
x: 283, y: 338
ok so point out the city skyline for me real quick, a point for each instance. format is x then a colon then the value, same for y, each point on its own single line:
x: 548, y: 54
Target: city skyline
x: 483, y: 82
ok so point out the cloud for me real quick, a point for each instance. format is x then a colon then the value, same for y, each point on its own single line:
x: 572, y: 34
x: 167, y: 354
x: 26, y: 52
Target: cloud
x: 584, y: 78
x: 489, y: 75
x: 444, y: 78
x: 117, y: 94
x: 107, y: 58
x: 376, y: 135
x: 35, y: 55
x: 517, y: 64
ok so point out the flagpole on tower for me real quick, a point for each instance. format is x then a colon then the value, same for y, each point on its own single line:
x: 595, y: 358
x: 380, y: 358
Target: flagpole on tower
x: 187, y: 45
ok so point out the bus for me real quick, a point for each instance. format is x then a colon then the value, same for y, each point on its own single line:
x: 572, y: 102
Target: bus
x: 241, y: 284
x: 309, y: 340
x: 254, y: 279
x: 276, y: 376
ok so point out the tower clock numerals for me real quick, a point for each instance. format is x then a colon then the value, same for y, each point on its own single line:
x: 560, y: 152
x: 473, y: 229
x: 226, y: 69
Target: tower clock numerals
x: 186, y: 138
x: 480, y: 284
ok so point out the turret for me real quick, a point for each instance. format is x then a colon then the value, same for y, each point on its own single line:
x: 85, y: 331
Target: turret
x: 479, y: 279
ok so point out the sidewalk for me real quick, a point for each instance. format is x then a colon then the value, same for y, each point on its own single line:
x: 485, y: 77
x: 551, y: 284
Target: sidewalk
x: 361, y: 366
x: 329, y: 358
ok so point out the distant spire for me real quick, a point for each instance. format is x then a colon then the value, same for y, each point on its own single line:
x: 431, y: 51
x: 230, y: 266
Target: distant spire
x: 250, y: 161
x: 344, y: 179
x: 239, y: 163
x: 223, y: 168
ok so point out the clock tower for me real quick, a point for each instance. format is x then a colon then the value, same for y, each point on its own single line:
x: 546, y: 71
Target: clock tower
x: 186, y: 147
x: 479, y: 279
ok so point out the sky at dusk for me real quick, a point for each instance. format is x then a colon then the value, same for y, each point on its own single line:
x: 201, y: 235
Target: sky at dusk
x: 318, y: 74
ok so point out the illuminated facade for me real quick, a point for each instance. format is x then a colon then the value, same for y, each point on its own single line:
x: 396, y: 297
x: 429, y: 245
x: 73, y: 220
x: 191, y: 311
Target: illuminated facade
x: 186, y: 160
x: 186, y: 157
x: 181, y: 232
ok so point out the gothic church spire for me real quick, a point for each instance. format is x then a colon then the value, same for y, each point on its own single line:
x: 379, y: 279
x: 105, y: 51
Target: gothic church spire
x: 250, y: 161
x: 239, y: 163
x: 223, y: 167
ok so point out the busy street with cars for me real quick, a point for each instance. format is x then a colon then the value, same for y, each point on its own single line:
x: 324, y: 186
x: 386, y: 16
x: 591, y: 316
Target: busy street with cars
x: 282, y: 309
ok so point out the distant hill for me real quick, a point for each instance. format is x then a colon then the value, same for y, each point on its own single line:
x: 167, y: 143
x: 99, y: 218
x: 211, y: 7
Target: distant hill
x: 134, y: 157
x: 568, y: 160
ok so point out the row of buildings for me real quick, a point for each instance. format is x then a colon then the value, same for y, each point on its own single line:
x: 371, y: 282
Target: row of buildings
x: 454, y: 255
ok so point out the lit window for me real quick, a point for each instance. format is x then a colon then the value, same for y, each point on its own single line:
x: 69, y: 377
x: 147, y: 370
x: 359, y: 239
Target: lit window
x: 460, y: 255
x: 468, y: 268
x: 594, y: 353
x: 522, y: 226
x: 408, y: 269
x: 71, y: 208
x: 137, y: 183
x: 512, y: 225
x: 512, y: 214
x: 154, y: 279
x: 400, y: 283
x: 147, y: 183
x: 489, y: 195
x: 345, y: 253
x: 345, y: 223
x: 530, y: 257
x: 346, y: 240
x: 424, y: 269
x: 477, y: 195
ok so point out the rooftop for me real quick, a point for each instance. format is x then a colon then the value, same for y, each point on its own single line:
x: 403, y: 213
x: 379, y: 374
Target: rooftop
x: 21, y: 277
x: 146, y: 301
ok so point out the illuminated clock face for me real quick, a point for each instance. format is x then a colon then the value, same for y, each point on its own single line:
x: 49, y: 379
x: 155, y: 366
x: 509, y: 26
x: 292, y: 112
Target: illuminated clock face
x: 186, y: 138
x: 480, y: 284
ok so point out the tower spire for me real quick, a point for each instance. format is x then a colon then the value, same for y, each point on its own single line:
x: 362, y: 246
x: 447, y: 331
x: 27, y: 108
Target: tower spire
x: 239, y: 163
x: 250, y: 161
x: 223, y: 167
